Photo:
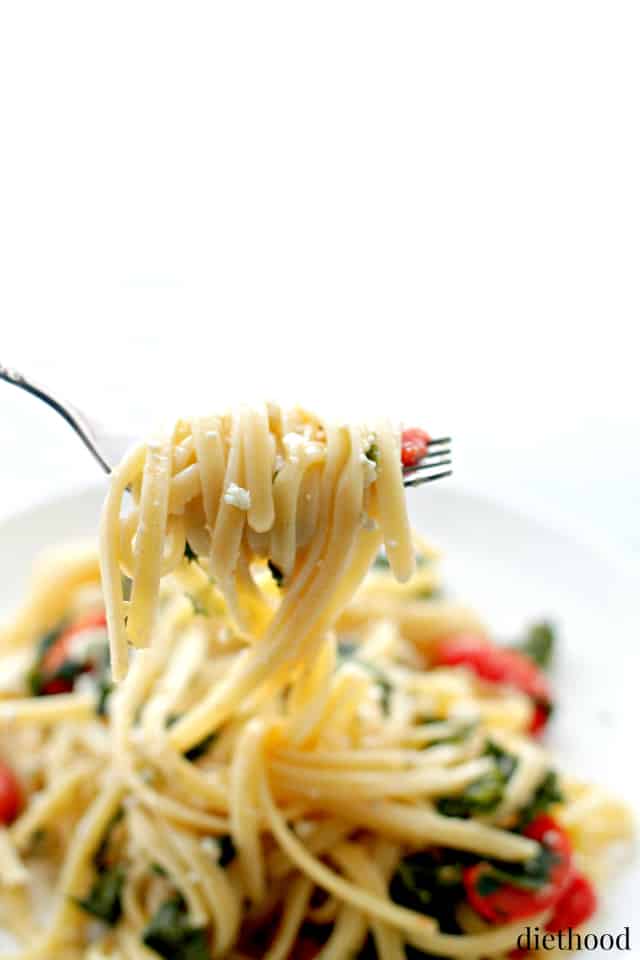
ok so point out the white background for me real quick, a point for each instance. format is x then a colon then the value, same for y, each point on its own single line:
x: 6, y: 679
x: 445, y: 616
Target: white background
x: 431, y: 208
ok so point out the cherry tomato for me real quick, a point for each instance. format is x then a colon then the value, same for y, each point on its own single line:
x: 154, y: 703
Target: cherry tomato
x: 575, y: 906
x: 499, y: 665
x: 509, y: 903
x: 58, y: 653
x: 414, y: 445
x: 11, y: 796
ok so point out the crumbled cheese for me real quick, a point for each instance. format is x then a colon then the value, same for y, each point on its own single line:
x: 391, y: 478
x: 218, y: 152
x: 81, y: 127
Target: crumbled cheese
x: 83, y: 641
x: 86, y: 684
x: 370, y: 469
x: 210, y: 845
x: 238, y: 497
x: 299, y: 448
x: 393, y: 544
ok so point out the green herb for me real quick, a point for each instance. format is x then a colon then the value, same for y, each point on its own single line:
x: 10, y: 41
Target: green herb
x: 276, y: 573
x: 199, y: 610
x: 127, y: 583
x: 547, y: 793
x: 346, y: 649
x: 105, y: 689
x: 430, y: 882
x: 104, y: 899
x: 484, y: 794
x: 199, y: 749
x: 159, y: 870
x: 539, y: 644
x: 227, y: 850
x: 533, y: 874
x: 189, y: 554
x: 104, y: 684
x: 373, y: 453
x: 171, y: 935
x: 37, y: 841
x: 381, y: 562
x: 100, y: 857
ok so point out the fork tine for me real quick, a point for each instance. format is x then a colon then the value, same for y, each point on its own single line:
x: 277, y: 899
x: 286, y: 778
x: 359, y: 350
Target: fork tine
x: 423, y: 467
x: 427, y: 478
x: 430, y: 456
x: 433, y: 443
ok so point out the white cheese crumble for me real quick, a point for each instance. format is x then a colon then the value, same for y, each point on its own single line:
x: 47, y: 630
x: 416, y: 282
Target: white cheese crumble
x: 299, y: 448
x: 370, y: 469
x: 238, y: 497
x: 84, y: 641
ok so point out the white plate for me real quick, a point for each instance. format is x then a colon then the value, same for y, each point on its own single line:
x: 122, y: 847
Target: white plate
x: 512, y: 570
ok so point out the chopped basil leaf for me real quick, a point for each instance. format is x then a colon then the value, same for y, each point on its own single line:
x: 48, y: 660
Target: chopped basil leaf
x: 199, y: 749
x: 276, y: 573
x: 105, y: 689
x: 189, y: 554
x: 547, y: 793
x: 159, y: 870
x: 199, y: 609
x: 539, y: 644
x: 532, y: 874
x: 171, y: 935
x: 227, y: 849
x: 104, y: 899
x: 373, y: 453
x: 430, y: 882
x: 37, y: 841
x: 100, y: 857
x: 381, y: 562
x: 484, y: 794
x: 346, y: 649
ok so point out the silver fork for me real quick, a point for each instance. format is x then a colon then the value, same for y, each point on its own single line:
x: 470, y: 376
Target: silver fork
x: 108, y: 447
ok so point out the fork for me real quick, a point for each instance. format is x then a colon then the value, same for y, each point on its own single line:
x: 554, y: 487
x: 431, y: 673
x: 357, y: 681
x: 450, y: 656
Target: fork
x: 108, y: 447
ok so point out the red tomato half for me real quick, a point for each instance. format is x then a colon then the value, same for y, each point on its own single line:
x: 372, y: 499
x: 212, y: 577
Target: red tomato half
x: 501, y: 666
x: 510, y: 903
x: 415, y: 443
x: 57, y: 654
x: 11, y: 796
x: 575, y: 906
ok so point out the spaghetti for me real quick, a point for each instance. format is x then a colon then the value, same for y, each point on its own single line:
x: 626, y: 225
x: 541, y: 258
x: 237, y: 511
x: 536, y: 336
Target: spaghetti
x: 295, y: 761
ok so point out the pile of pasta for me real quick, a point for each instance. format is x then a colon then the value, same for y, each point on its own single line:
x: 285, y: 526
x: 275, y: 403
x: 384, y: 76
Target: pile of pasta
x: 254, y: 751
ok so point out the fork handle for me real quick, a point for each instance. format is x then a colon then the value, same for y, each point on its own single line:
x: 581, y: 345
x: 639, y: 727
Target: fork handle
x: 74, y: 417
